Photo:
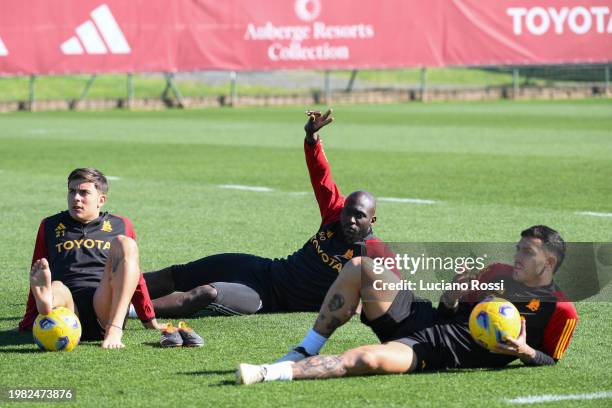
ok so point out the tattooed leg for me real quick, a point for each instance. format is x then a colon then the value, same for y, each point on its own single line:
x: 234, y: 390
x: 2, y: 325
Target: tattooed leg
x: 340, y: 303
x: 319, y: 367
x: 119, y: 281
x: 341, y: 300
x: 389, y: 358
x: 338, y: 306
x: 376, y: 302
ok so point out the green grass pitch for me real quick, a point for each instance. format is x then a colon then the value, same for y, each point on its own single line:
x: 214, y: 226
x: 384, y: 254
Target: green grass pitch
x: 492, y: 168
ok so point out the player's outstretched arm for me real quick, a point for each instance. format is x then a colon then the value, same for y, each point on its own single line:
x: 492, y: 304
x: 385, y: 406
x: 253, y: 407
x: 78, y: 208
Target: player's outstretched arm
x: 328, y: 196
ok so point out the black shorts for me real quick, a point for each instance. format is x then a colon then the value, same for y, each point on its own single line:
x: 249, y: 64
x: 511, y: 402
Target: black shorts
x: 428, y: 357
x: 407, y: 314
x: 410, y: 320
x: 449, y: 345
x: 438, y: 342
x: 83, y: 301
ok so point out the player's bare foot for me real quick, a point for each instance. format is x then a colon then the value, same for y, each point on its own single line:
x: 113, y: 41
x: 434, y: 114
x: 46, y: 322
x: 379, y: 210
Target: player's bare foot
x: 112, y: 340
x: 40, y: 283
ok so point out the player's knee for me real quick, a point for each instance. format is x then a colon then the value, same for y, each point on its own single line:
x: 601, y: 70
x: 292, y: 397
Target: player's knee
x: 123, y: 241
x: 361, y: 362
x: 124, y: 246
x: 367, y: 270
x: 201, y: 294
x: 351, y: 270
x: 368, y: 361
x: 360, y: 267
x: 354, y: 263
x: 235, y: 299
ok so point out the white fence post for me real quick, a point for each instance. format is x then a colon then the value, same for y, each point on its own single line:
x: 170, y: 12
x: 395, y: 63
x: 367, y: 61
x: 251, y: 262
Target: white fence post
x: 233, y: 92
x: 423, y: 84
x: 515, y: 83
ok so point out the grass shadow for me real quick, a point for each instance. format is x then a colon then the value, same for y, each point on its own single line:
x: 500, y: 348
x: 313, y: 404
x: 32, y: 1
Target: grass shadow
x: 208, y: 372
x: 224, y: 383
x: 472, y: 370
x: 14, y: 338
x: 505, y: 368
x: 18, y: 350
x: 154, y: 344
x: 8, y: 318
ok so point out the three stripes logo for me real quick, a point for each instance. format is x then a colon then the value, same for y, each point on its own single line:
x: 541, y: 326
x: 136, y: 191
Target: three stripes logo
x: 566, y: 335
x: 98, y: 36
x: 3, y: 50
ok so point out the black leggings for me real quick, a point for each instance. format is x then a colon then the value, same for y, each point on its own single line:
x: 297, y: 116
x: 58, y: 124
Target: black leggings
x: 241, y: 282
x: 242, y: 268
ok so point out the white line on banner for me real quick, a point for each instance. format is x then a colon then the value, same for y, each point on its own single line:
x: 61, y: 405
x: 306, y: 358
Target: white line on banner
x: 110, y: 30
x: 90, y: 38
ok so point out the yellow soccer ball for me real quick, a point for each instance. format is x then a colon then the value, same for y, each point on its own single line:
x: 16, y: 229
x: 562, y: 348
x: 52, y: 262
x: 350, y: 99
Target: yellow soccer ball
x: 493, y: 320
x: 58, y: 331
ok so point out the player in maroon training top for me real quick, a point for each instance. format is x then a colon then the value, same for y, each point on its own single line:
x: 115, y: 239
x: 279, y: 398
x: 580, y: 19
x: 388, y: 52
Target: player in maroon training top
x: 415, y: 336
x: 244, y: 284
x: 87, y: 260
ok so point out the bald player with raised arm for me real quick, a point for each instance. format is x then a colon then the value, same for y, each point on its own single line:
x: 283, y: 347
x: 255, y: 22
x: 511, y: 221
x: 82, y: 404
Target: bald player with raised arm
x: 234, y: 283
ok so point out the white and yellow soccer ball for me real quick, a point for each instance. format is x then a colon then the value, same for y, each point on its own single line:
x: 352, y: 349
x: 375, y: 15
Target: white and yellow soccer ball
x: 493, y: 320
x: 58, y: 331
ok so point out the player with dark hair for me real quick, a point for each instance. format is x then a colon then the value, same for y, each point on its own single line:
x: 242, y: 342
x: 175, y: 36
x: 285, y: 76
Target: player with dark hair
x: 416, y: 336
x: 87, y: 261
x: 235, y: 283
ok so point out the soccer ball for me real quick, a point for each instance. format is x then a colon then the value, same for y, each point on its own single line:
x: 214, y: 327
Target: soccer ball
x: 58, y: 331
x: 493, y: 320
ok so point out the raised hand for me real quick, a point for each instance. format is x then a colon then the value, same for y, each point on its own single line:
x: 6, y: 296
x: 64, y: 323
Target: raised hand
x: 316, y: 121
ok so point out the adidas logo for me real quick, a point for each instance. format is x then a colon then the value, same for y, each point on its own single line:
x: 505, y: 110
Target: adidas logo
x: 97, y: 37
x: 3, y: 50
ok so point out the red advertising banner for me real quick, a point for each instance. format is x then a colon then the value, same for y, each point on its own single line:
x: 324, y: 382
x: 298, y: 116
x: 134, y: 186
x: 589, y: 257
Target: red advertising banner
x: 85, y: 36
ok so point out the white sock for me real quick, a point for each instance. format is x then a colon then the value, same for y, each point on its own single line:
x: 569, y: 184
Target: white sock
x: 279, y: 371
x: 132, y: 312
x: 313, y: 342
